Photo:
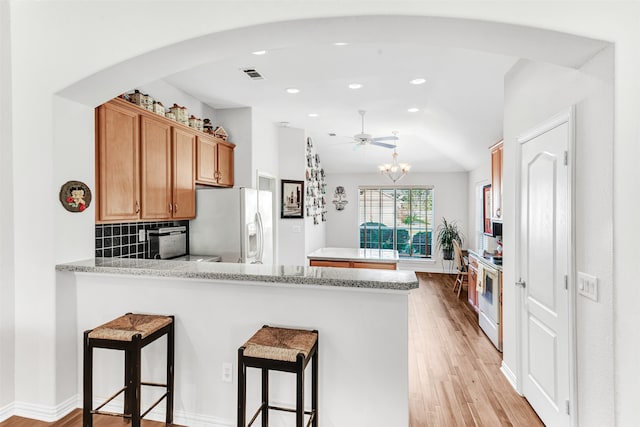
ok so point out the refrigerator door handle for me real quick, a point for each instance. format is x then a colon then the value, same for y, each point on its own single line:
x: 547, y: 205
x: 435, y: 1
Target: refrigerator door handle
x: 260, y: 239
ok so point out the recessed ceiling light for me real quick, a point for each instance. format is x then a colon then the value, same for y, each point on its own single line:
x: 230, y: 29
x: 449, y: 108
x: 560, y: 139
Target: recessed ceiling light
x: 293, y: 90
x: 413, y: 110
x: 259, y: 52
x: 355, y: 86
x: 312, y: 114
x: 340, y: 44
x: 418, y: 81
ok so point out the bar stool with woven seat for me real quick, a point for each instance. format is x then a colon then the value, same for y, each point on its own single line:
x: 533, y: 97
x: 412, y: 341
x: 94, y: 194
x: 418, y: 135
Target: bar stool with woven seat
x: 129, y: 333
x: 279, y: 349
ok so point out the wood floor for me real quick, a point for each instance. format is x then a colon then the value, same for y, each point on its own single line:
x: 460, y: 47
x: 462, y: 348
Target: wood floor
x: 454, y: 370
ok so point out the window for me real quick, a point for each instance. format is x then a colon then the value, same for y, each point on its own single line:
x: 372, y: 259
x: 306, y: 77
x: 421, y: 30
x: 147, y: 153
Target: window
x: 398, y: 218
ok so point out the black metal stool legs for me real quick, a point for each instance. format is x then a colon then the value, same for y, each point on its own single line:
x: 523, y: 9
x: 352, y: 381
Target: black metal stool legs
x: 300, y: 391
x: 242, y: 389
x: 265, y: 397
x: 260, y: 353
x: 314, y: 387
x: 116, y: 335
x: 170, y: 370
x: 87, y: 380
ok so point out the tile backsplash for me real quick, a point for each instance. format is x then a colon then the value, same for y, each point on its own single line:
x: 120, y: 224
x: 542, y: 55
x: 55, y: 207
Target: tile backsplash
x: 122, y: 240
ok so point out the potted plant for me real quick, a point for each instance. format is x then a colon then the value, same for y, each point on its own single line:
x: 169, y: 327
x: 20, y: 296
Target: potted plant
x: 446, y: 233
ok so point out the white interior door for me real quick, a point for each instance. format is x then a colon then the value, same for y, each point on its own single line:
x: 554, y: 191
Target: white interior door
x: 545, y: 269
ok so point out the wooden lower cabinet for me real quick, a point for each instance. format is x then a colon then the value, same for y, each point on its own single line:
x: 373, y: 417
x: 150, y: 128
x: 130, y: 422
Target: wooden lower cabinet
x: 322, y: 263
x: 353, y: 264
x: 376, y: 265
x: 473, y: 280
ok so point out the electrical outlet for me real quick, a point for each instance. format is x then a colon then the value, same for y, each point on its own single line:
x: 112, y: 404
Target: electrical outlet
x: 141, y: 236
x: 227, y: 372
x: 588, y: 286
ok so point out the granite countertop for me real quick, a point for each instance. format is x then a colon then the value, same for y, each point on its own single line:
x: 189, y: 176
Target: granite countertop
x: 485, y: 259
x: 298, y: 275
x: 355, y: 254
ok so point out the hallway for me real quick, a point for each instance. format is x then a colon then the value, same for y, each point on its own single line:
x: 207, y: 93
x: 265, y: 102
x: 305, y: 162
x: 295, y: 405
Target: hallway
x: 454, y: 370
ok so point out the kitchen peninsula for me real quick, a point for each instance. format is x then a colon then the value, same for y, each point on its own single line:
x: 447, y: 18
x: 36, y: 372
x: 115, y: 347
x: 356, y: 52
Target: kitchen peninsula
x: 362, y: 317
x: 382, y: 259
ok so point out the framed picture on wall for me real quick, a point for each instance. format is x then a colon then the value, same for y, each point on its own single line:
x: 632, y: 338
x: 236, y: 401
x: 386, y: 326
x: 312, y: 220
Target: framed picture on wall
x: 486, y: 209
x: 292, y: 205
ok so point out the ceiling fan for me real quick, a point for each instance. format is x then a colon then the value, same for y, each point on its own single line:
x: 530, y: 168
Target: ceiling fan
x: 365, y: 138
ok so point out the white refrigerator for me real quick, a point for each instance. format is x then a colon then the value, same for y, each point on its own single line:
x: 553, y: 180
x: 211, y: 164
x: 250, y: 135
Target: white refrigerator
x: 234, y: 223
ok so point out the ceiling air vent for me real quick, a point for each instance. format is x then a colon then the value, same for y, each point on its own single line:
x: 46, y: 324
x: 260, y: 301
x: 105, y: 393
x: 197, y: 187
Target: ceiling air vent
x: 252, y: 73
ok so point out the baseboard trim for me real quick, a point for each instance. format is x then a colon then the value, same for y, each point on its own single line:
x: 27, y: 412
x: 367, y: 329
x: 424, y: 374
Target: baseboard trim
x: 6, y: 411
x: 511, y: 377
x: 42, y: 412
x: 179, y: 417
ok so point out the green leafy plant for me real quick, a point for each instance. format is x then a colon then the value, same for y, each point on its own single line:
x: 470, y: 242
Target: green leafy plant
x: 446, y: 234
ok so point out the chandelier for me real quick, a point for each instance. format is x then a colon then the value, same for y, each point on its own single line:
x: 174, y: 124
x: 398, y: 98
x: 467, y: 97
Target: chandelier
x: 394, y: 170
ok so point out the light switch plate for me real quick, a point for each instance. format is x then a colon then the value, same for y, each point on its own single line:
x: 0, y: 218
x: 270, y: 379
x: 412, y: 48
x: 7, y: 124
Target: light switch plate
x: 588, y: 286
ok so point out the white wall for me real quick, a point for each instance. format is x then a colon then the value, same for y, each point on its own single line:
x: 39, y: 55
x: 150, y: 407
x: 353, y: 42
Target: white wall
x: 47, y: 57
x: 449, y: 201
x: 291, y: 231
x: 478, y: 178
x: 533, y: 93
x: 237, y: 122
x: 264, y: 151
x: 164, y: 92
x: 6, y: 219
x: 209, y: 332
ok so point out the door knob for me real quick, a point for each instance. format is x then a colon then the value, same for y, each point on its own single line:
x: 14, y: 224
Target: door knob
x: 521, y: 283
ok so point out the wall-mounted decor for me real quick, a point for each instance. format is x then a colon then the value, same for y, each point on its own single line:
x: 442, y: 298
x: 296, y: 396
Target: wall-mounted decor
x: 316, y: 186
x: 75, y: 196
x: 292, y: 199
x: 486, y: 199
x: 340, y: 198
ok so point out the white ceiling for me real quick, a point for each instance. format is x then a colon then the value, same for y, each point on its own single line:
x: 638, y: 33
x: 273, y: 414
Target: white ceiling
x: 461, y: 103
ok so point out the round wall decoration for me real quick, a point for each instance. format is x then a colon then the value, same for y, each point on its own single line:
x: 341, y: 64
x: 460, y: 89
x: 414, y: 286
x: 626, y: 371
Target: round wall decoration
x: 75, y: 196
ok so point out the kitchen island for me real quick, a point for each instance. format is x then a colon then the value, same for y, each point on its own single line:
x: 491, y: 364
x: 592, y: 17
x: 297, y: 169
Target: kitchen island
x: 382, y: 259
x: 361, y: 315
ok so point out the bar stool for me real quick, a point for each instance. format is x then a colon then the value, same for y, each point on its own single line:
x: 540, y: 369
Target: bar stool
x: 130, y: 333
x: 279, y: 349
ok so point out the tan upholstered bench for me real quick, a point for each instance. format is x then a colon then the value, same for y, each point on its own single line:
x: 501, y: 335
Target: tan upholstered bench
x: 129, y: 333
x: 279, y: 349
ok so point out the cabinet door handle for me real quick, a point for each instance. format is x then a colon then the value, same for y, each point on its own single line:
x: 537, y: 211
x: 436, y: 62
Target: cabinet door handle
x: 498, y: 212
x: 219, y: 176
x: 170, y: 208
x: 137, y: 207
x: 175, y: 208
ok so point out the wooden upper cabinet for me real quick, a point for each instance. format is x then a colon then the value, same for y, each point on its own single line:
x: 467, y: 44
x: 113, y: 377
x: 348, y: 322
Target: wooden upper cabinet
x: 155, y: 156
x: 117, y: 164
x: 207, y: 160
x: 496, y: 180
x: 214, y: 162
x: 184, y: 187
x: 225, y: 164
